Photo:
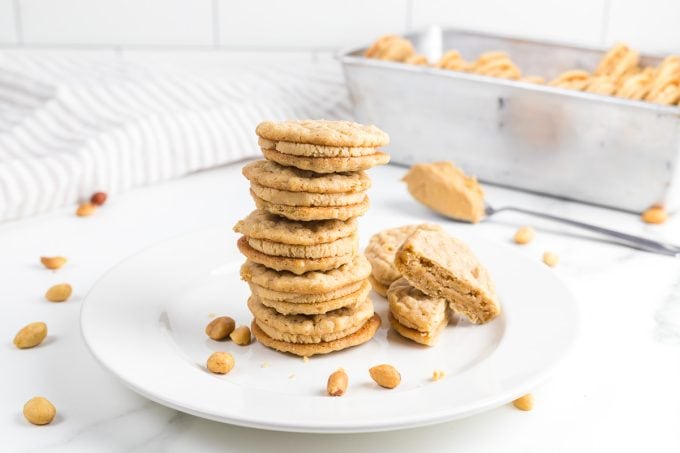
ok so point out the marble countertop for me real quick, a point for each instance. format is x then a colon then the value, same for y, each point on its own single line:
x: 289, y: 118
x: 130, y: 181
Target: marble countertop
x: 617, y: 391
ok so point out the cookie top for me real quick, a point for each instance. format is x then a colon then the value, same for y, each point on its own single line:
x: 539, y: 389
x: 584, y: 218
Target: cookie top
x: 364, y: 334
x: 413, y: 308
x: 270, y: 174
x: 323, y: 132
x: 331, y: 322
x: 309, y: 213
x: 310, y: 282
x: 263, y: 225
x: 381, y: 249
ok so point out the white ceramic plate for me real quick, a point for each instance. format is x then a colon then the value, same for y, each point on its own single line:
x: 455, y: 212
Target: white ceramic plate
x: 144, y: 322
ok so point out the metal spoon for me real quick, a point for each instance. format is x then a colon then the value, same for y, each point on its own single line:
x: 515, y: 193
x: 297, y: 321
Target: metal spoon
x: 627, y: 239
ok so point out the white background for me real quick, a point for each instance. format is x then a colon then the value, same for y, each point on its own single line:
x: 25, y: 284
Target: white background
x: 651, y: 25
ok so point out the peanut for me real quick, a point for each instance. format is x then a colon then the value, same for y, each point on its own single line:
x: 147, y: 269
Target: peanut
x: 438, y: 375
x: 385, y: 376
x: 53, y: 262
x: 59, y: 293
x: 524, y: 403
x: 241, y: 336
x: 655, y: 215
x: 551, y: 259
x: 524, y: 235
x: 85, y: 209
x: 220, y: 328
x: 98, y: 198
x: 220, y: 362
x: 30, y: 335
x: 39, y: 411
x: 337, y: 383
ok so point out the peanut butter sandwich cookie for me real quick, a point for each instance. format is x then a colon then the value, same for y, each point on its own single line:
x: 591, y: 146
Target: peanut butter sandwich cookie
x: 364, y: 334
x: 328, y: 164
x: 271, y: 227
x: 414, y: 314
x: 309, y: 213
x: 444, y: 267
x: 310, y: 328
x: 294, y: 265
x: 307, y: 199
x: 296, y: 297
x: 272, y: 175
x: 284, y: 307
x: 380, y: 252
x: 310, y: 282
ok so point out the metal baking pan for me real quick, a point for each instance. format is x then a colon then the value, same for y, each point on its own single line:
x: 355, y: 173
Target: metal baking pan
x: 587, y: 147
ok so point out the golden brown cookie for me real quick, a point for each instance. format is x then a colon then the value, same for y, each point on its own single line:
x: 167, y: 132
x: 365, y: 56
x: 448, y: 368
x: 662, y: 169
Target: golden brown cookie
x: 364, y: 334
x: 264, y: 225
x: 452, y: 60
x: 619, y: 61
x: 307, y: 199
x: 309, y: 283
x: 381, y: 251
x: 323, y: 132
x: 576, y: 79
x: 339, y: 247
x: 425, y: 338
x: 496, y: 64
x: 315, y: 308
x: 305, y: 298
x: 444, y: 188
x: 270, y: 174
x: 328, y: 164
x: 311, y: 328
x: 379, y: 287
x: 295, y: 265
x: 417, y: 59
x: 601, y: 85
x: 390, y: 48
x: 637, y: 86
x: 312, y: 213
x: 415, y: 309
x: 444, y: 267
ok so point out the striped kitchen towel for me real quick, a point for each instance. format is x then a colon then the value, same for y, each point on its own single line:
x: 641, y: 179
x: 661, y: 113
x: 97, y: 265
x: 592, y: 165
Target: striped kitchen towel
x: 72, y: 123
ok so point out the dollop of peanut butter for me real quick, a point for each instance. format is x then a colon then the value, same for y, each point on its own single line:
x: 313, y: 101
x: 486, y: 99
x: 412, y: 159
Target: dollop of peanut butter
x: 443, y: 187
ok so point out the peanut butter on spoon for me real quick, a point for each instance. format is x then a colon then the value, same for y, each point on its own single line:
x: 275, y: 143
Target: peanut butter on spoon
x: 443, y: 187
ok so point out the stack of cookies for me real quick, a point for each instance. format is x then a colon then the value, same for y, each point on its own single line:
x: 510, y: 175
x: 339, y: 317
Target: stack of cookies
x: 308, y: 280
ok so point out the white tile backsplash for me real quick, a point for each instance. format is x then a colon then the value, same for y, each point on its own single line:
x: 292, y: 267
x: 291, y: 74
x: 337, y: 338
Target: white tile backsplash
x: 652, y: 26
x: 308, y: 23
x: 8, y: 32
x: 574, y: 21
x: 117, y: 22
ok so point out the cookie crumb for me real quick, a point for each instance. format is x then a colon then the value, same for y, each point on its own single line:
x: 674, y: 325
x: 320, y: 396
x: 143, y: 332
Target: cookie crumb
x: 551, y: 259
x: 291, y: 376
x: 438, y: 375
x: 264, y: 365
x: 305, y: 359
x: 211, y: 315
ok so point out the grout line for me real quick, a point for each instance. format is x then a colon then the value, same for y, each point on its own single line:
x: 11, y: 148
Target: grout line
x: 408, y: 20
x: 18, y: 26
x: 216, y: 22
x: 606, y: 11
x: 163, y: 47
